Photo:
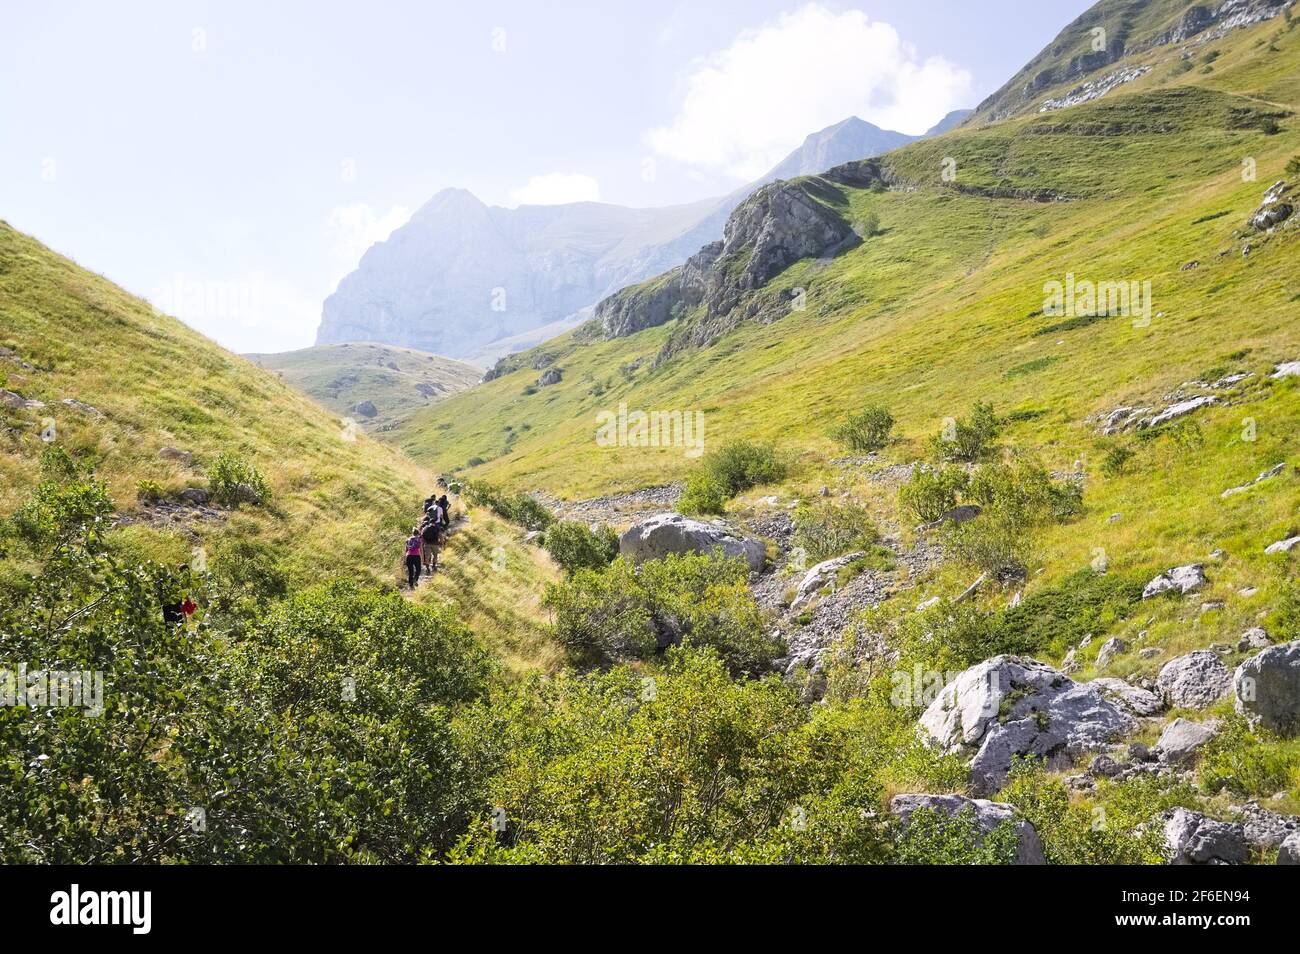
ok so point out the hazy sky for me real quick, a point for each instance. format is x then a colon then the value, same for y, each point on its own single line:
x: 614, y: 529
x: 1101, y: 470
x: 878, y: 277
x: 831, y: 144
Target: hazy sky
x: 232, y: 160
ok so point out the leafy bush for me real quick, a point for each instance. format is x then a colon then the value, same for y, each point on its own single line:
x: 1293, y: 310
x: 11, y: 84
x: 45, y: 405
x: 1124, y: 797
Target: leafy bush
x: 1116, y: 460
x: 935, y: 838
x: 725, y: 472
x: 828, y: 529
x: 1077, y: 834
x: 575, y: 546
x: 1293, y: 164
x: 519, y: 508
x: 233, y: 481
x: 148, y: 491
x: 967, y: 438
x: 866, y: 431
x: 931, y: 492
x: 621, y: 612
x: 1249, y: 763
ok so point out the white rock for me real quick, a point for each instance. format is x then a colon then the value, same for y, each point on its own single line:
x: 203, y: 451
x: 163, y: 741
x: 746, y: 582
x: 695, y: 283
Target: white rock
x: 1184, y: 579
x: 1194, y: 681
x: 655, y: 537
x: 823, y: 574
x: 1283, y: 546
x: 1134, y: 699
x: 1286, y: 369
x: 1109, y: 650
x: 1289, y: 852
x: 1193, y: 839
x: 1181, y: 738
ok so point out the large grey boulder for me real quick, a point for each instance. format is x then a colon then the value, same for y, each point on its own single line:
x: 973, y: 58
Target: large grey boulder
x: 1289, y: 852
x: 1274, y: 210
x: 1109, y: 650
x: 987, y: 815
x: 1012, y: 705
x: 655, y: 537
x: 823, y: 574
x: 1182, y: 737
x: 1183, y: 579
x: 1194, y: 681
x: 1193, y: 839
x: 1267, y: 688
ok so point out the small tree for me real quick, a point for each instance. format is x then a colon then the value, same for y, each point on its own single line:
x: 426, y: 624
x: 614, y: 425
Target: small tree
x: 234, y: 480
x: 866, y: 431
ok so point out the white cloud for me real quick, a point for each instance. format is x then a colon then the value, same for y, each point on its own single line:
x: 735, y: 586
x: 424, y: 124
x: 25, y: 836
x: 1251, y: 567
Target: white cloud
x: 354, y: 228
x: 744, y: 108
x: 556, y: 188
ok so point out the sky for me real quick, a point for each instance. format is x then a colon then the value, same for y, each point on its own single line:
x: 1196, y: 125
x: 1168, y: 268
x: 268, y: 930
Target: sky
x: 231, y: 161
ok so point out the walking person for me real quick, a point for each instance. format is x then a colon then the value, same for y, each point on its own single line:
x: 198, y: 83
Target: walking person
x: 414, y: 546
x: 429, y: 537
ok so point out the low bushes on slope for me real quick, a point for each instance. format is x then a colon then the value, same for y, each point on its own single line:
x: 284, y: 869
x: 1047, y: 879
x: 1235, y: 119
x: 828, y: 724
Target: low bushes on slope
x: 575, y: 546
x: 726, y: 471
x: 623, y: 612
x: 520, y: 508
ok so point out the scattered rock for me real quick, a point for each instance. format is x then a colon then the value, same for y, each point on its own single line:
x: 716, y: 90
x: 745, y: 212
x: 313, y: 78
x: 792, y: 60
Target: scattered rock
x: 987, y: 815
x: 1266, y: 475
x: 1150, y: 652
x: 16, y: 402
x: 195, y: 496
x: 655, y: 537
x: 1184, y: 579
x: 1267, y: 688
x: 1274, y: 210
x: 1181, y: 738
x: 1109, y: 650
x: 1114, y: 518
x: 1194, y: 681
x: 182, y: 457
x: 1138, y: 701
x: 1264, y: 829
x: 1048, y: 715
x: 823, y: 574
x: 1103, y: 766
x: 549, y: 376
x: 1282, y: 546
x: 1139, y: 752
x: 1286, y: 369
x: 1181, y: 409
x: 1254, y: 638
x: 82, y: 407
x: 1211, y: 605
x: 1194, y: 839
x: 8, y: 354
x: 924, y: 605
x: 365, y: 409
x: 1289, y: 852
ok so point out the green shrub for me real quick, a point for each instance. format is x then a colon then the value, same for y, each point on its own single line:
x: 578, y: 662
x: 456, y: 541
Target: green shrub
x: 519, y: 508
x: 1293, y: 164
x: 935, y: 838
x: 967, y: 438
x: 725, y: 472
x: 148, y: 491
x: 234, y: 481
x: 1116, y: 460
x: 575, y: 546
x: 1252, y: 764
x: 621, y: 613
x: 931, y: 492
x: 828, y: 529
x: 866, y: 431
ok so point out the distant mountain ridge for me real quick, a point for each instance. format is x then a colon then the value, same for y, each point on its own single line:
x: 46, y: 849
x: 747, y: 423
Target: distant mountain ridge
x: 462, y: 275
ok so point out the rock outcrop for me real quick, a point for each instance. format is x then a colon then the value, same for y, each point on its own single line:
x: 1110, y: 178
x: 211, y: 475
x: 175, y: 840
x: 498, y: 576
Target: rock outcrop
x: 657, y: 536
x: 1267, y: 688
x: 779, y: 224
x: 986, y: 815
x: 1274, y: 210
x: 1181, y: 738
x: 822, y: 575
x: 1009, y: 706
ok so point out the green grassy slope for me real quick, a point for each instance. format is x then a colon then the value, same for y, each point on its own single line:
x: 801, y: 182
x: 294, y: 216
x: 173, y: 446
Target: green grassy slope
x: 397, y: 381
x: 932, y: 313
x: 944, y: 308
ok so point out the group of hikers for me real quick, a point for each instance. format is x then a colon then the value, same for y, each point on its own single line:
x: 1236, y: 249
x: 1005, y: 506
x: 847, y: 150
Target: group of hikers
x: 422, y: 545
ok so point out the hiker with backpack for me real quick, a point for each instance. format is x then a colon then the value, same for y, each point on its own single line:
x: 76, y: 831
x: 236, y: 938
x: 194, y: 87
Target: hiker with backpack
x: 414, y: 546
x: 430, y: 537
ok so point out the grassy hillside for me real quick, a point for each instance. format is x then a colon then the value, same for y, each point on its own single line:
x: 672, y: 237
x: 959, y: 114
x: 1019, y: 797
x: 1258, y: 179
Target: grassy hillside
x: 345, y: 377
x: 943, y: 307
